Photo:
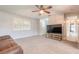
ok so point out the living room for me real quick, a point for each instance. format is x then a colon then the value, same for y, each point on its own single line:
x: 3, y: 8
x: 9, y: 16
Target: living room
x: 40, y: 29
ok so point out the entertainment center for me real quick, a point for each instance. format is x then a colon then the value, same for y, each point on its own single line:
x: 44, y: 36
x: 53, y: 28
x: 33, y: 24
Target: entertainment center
x: 54, y: 31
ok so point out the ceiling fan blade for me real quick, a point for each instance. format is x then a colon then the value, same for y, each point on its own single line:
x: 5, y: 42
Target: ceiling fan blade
x: 36, y: 11
x: 41, y: 6
x: 37, y: 6
x: 49, y: 7
x: 47, y: 12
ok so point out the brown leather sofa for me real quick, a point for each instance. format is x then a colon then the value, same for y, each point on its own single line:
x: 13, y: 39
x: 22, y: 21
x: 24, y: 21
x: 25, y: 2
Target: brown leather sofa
x: 9, y: 46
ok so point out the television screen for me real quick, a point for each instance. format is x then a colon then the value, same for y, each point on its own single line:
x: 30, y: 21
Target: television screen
x: 54, y: 28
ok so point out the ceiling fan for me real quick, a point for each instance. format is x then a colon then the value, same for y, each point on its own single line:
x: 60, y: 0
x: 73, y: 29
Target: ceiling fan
x: 42, y: 9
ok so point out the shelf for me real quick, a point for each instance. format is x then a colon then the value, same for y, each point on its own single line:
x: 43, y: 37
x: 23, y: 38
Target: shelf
x: 54, y: 36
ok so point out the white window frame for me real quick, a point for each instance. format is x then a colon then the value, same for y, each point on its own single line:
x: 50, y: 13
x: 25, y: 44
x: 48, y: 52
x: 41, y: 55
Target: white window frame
x: 21, y: 24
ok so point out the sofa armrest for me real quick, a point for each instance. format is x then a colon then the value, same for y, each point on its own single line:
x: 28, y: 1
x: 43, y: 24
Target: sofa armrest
x: 8, y: 45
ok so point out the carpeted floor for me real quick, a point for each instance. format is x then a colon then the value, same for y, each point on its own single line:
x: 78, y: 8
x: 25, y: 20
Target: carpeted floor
x: 41, y: 45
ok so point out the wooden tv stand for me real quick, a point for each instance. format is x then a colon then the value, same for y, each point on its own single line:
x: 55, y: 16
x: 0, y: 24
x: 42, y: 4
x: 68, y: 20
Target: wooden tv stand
x: 56, y: 36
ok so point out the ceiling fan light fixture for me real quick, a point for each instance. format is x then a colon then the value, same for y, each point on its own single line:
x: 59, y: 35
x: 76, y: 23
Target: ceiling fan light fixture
x: 41, y: 11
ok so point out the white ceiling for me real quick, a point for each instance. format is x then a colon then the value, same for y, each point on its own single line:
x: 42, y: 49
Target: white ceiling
x: 26, y: 10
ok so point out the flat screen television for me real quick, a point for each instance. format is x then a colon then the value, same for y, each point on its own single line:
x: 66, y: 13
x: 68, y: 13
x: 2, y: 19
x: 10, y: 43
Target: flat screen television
x: 57, y: 28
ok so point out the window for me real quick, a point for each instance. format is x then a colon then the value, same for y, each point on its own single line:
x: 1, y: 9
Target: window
x: 22, y: 24
x: 43, y: 25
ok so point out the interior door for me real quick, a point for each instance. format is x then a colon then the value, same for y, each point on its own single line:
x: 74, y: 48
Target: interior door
x: 71, y: 29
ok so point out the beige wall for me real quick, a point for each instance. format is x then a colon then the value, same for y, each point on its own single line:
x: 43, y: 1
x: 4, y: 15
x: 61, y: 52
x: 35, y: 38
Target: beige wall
x: 56, y: 19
